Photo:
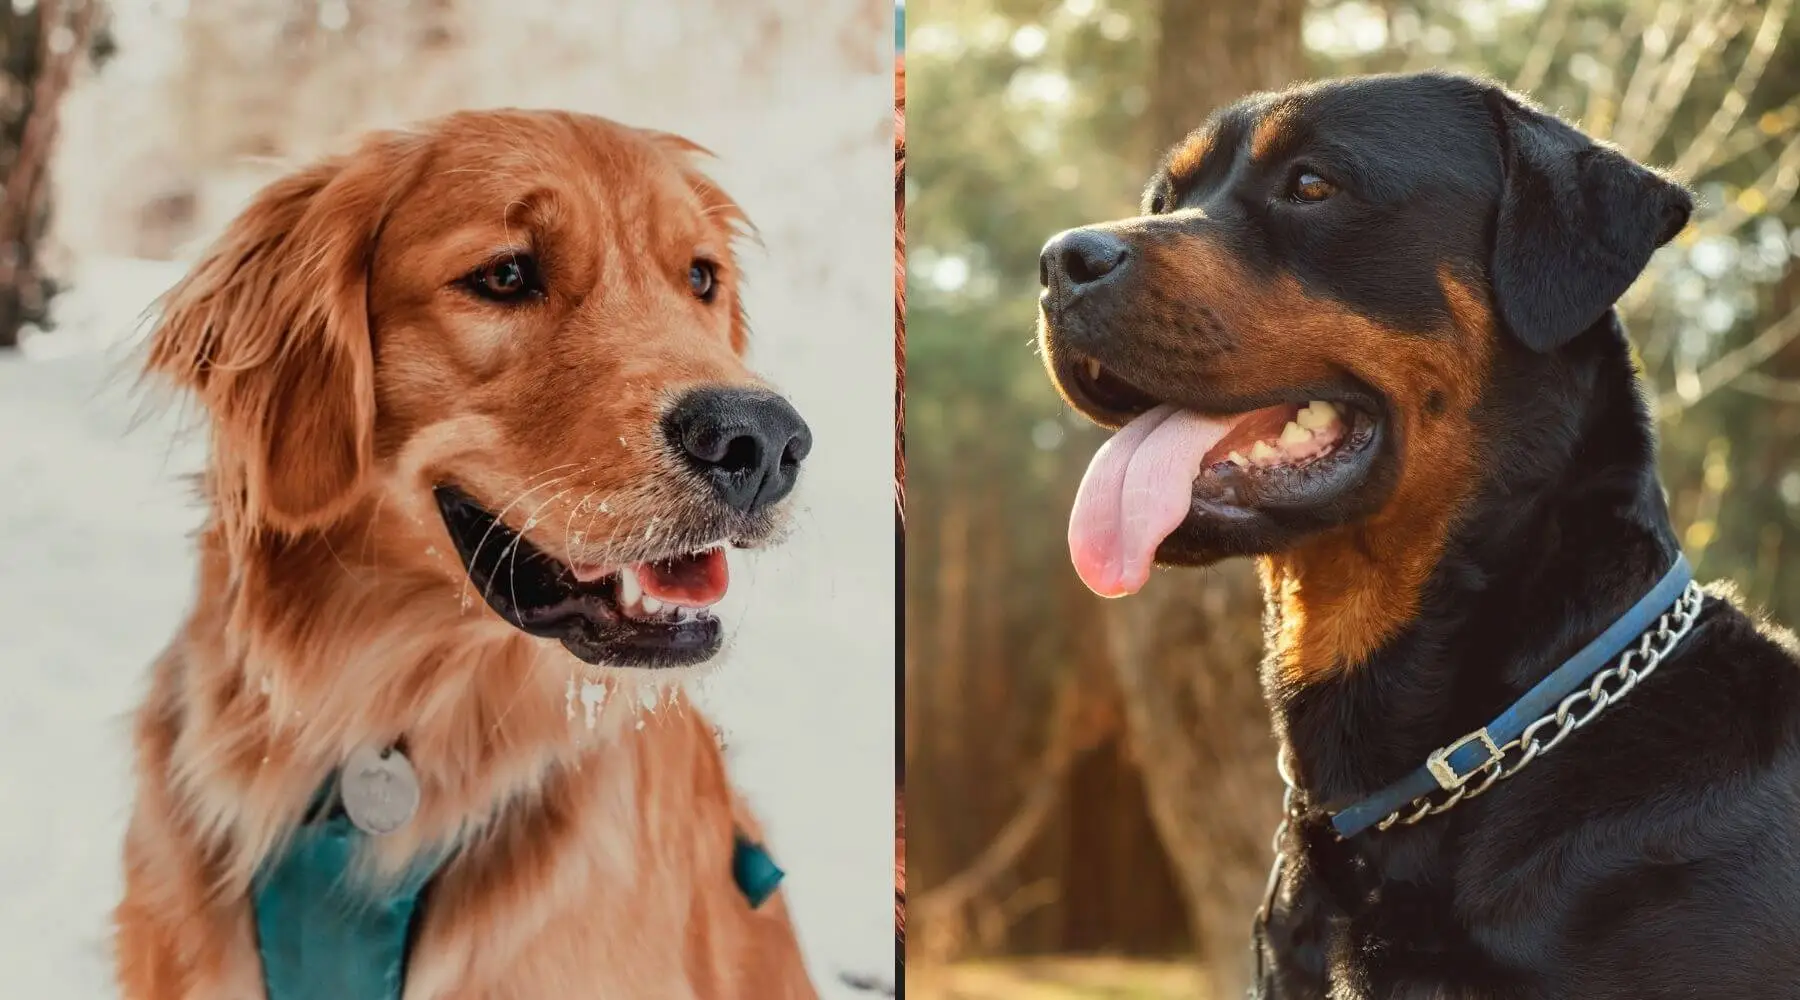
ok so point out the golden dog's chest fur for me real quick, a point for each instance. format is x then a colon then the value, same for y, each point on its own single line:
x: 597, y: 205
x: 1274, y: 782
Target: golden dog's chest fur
x: 344, y: 371
x: 611, y: 878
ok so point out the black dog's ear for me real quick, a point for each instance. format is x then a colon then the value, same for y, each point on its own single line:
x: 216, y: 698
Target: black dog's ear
x: 1577, y: 223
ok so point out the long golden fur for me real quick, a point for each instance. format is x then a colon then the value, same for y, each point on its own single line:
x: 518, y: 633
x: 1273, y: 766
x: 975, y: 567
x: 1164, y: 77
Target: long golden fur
x: 900, y: 461
x: 343, y: 372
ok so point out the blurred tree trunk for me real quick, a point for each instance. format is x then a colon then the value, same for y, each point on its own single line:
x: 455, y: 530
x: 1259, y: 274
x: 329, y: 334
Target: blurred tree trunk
x: 40, y: 45
x: 1185, y: 651
x: 1212, y: 52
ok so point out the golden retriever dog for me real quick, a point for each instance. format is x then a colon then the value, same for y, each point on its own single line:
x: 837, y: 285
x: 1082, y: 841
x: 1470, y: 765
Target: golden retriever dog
x: 481, y: 430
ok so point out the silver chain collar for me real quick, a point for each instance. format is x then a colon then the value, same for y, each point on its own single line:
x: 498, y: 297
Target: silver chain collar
x: 1608, y: 687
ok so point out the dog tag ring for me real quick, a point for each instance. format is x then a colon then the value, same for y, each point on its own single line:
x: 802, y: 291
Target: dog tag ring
x: 379, y: 789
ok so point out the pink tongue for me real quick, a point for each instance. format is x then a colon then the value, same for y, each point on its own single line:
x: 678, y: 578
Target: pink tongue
x: 1137, y: 490
x: 692, y: 581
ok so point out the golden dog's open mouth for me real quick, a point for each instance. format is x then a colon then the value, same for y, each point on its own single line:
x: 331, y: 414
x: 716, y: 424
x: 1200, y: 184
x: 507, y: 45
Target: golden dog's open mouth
x: 665, y: 589
x: 651, y: 614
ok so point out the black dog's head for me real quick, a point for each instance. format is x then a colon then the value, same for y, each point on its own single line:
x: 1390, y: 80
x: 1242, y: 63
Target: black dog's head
x: 1295, y: 334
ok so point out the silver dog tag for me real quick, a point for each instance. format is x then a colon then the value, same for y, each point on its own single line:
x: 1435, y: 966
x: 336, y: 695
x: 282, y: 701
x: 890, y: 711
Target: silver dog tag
x: 379, y: 789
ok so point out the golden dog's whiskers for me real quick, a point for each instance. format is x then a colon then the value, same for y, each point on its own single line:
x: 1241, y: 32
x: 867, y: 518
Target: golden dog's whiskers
x: 618, y: 523
x: 623, y: 526
x: 476, y: 554
x: 511, y: 554
x: 570, y: 536
x: 525, y: 681
x: 610, y: 552
x: 463, y: 590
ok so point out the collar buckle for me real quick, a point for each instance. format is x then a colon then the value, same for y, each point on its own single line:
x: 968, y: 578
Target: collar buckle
x: 1453, y: 765
x: 1622, y: 656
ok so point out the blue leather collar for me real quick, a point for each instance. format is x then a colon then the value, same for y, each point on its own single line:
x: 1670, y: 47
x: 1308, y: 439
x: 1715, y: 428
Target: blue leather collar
x: 325, y: 934
x: 1451, y: 766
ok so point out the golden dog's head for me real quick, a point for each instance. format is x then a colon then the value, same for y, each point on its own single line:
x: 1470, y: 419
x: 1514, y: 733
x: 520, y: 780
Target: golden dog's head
x: 520, y: 331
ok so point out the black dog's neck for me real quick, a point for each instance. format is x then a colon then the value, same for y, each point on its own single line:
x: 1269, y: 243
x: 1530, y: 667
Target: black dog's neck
x: 1568, y: 529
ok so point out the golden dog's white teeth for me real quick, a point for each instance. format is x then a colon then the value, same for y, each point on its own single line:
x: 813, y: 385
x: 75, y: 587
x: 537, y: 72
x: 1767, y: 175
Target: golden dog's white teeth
x: 1262, y: 454
x: 629, y: 591
x: 1294, y: 434
x: 651, y: 605
x: 1317, y: 414
x: 1092, y: 367
x: 1237, y: 458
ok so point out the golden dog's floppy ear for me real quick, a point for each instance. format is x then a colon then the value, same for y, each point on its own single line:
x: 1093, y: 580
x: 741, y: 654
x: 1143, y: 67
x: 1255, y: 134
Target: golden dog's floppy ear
x: 714, y: 202
x: 270, y: 331
x: 900, y: 285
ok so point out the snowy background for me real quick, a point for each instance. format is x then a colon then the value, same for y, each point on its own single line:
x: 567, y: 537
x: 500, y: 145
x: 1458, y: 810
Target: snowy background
x: 208, y: 99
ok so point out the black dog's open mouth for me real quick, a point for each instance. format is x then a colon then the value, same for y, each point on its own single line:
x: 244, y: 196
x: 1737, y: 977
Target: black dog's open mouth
x: 649, y: 614
x: 1303, y: 448
x: 1195, y: 478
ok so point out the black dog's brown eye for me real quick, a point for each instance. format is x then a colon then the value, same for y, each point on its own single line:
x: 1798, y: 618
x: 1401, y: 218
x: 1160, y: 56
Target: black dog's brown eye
x: 1310, y: 187
x: 506, y: 279
x: 703, y: 278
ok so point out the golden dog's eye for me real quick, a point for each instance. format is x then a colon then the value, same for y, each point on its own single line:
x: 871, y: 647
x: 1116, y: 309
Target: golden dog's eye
x: 703, y: 278
x: 1310, y: 187
x: 506, y: 279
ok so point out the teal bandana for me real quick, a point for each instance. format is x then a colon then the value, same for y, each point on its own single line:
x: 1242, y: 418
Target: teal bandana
x: 325, y: 934
x: 754, y: 871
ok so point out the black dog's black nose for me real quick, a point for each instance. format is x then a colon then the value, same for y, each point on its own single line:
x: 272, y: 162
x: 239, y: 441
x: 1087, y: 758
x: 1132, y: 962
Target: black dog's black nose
x: 748, y: 443
x: 1082, y: 257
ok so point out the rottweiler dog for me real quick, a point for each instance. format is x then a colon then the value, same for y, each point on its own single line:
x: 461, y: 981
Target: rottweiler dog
x: 1365, y: 331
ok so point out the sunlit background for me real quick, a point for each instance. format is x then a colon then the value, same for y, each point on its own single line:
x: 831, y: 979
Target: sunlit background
x: 130, y: 133
x: 1091, y: 785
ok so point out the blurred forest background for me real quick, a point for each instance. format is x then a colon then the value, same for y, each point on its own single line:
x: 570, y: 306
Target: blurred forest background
x: 1097, y: 778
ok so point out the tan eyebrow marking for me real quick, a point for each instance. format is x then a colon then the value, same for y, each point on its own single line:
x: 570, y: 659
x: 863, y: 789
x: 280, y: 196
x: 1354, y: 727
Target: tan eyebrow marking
x: 1271, y: 130
x: 1185, y: 160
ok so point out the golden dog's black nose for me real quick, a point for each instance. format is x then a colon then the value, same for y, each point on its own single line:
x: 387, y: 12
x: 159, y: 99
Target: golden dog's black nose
x: 747, y: 443
x: 1077, y: 258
